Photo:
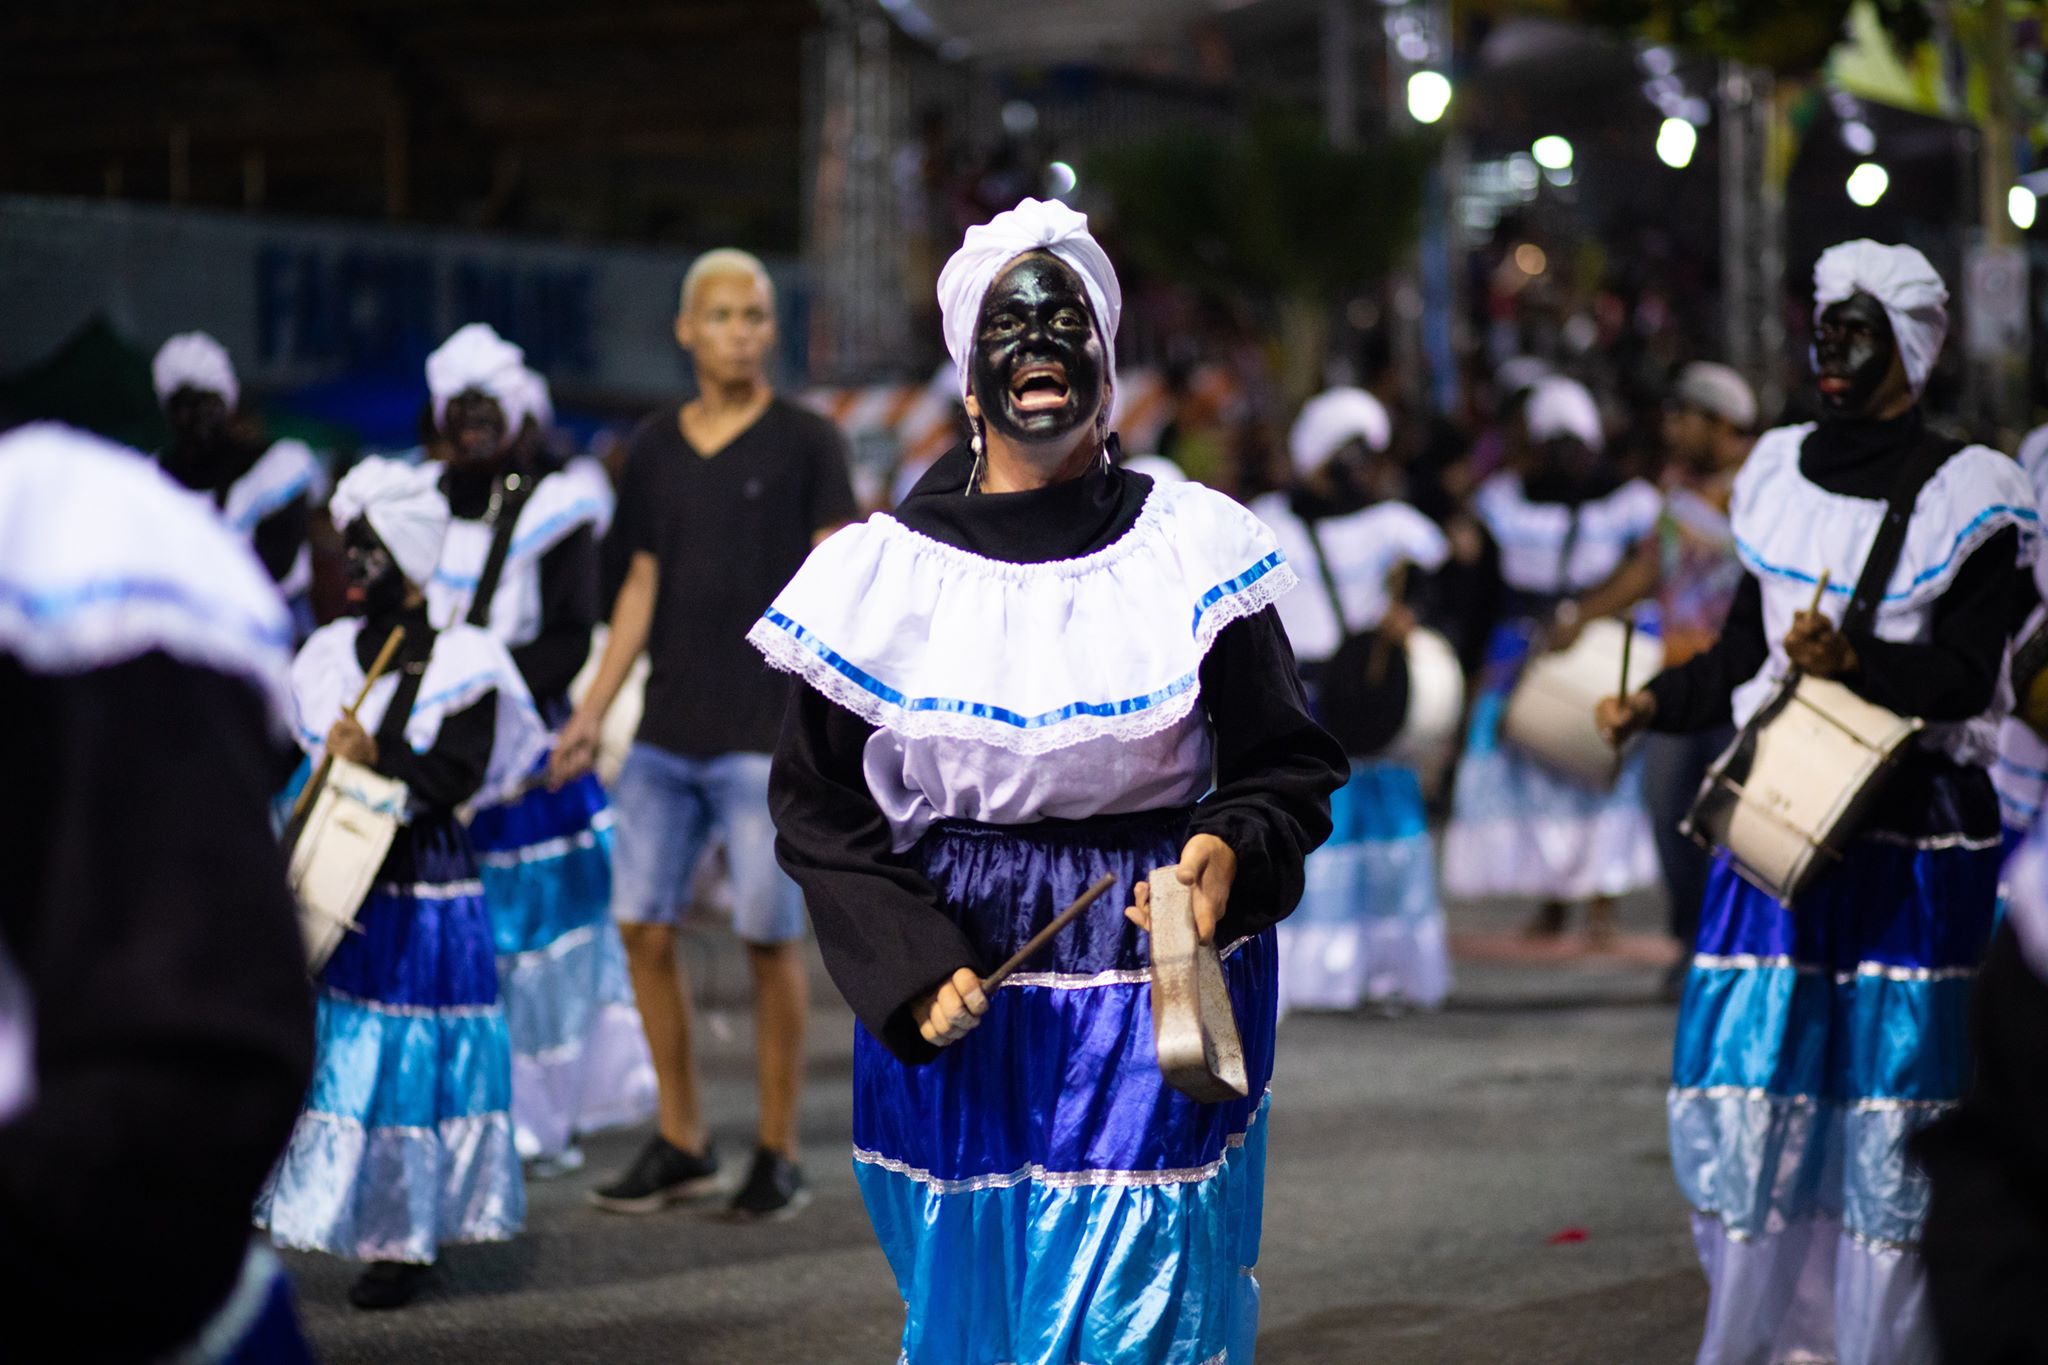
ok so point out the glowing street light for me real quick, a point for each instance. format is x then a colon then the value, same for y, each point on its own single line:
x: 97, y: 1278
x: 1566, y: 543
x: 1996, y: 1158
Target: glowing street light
x: 1429, y: 95
x: 1867, y: 184
x: 1552, y: 153
x: 2020, y: 206
x: 1676, y: 140
x: 1060, y: 179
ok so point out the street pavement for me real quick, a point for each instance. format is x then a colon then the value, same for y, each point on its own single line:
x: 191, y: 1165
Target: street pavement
x: 1486, y: 1184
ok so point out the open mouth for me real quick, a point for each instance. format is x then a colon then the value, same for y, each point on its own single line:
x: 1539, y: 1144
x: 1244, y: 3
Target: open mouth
x: 1039, y: 387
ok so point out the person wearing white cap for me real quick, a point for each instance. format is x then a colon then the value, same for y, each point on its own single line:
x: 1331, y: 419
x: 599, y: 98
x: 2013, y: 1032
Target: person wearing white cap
x: 1813, y: 1042
x: 1042, y: 668
x: 521, y: 561
x: 263, y: 490
x: 405, y: 1144
x: 1370, y: 926
x: 1689, y: 568
x: 155, y: 1038
x: 1563, y: 524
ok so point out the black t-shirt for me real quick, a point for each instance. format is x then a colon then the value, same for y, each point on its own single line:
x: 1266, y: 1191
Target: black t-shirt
x: 728, y: 532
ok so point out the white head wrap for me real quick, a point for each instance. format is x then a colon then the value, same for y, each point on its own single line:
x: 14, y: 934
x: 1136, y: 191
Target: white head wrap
x: 1718, y: 391
x: 531, y: 399
x: 1518, y: 373
x: 194, y: 360
x: 1901, y: 279
x: 1332, y: 418
x: 476, y: 357
x: 1563, y: 407
x: 1034, y: 225
x: 404, y: 506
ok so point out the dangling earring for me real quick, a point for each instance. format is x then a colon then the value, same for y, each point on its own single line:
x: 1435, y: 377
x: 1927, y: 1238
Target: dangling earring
x: 974, y: 474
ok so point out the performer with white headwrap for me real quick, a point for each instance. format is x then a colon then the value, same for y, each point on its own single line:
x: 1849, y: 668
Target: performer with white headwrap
x: 1370, y: 924
x: 580, y: 1061
x: 1040, y: 669
x: 263, y: 490
x: 405, y: 1143
x: 1563, y: 526
x: 155, y: 1037
x: 1811, y: 1043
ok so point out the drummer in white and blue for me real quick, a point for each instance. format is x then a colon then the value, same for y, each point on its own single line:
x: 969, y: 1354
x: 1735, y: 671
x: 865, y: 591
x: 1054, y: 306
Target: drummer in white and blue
x: 1043, y: 668
x: 1370, y: 926
x: 1812, y: 1043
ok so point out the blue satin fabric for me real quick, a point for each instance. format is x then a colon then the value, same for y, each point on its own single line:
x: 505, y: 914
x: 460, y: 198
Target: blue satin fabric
x: 1041, y: 1193
x: 1795, y: 1085
x: 537, y: 895
x: 1378, y: 863
x: 405, y: 1140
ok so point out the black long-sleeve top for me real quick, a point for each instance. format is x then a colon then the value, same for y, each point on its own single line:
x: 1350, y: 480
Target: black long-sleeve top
x: 454, y: 767
x: 145, y: 903
x: 569, y: 602
x: 1951, y: 677
x: 884, y: 936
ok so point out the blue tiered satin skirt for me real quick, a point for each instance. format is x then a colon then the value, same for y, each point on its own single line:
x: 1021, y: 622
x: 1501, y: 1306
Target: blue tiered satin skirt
x: 1041, y: 1193
x: 1811, y: 1043
x: 1370, y: 925
x: 579, y: 1057
x: 405, y: 1141
x: 1519, y: 829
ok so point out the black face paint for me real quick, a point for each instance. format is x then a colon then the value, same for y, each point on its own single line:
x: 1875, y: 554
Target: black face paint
x: 1854, y: 350
x: 375, y: 585
x: 202, y: 449
x: 1038, y: 370
x: 475, y: 426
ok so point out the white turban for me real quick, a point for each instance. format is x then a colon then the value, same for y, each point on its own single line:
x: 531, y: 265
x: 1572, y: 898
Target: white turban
x: 194, y: 360
x: 1901, y: 279
x: 530, y: 399
x: 404, y: 506
x: 1719, y: 392
x: 1563, y: 407
x: 476, y: 357
x: 1034, y: 225
x: 1331, y: 419
x: 1518, y: 373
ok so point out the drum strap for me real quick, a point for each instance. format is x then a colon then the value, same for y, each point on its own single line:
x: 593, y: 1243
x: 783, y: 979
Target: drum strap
x: 1914, y: 472
x: 1329, y: 579
x: 411, y: 668
x: 506, y: 506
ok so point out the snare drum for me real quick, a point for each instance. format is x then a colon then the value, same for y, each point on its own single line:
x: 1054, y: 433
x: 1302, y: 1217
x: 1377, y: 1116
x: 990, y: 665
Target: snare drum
x: 346, y: 836
x: 1550, y: 713
x: 622, y: 722
x: 1786, y: 797
x: 1436, y: 704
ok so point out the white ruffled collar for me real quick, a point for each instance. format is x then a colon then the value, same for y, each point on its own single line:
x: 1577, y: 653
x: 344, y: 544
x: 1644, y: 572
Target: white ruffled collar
x: 927, y: 639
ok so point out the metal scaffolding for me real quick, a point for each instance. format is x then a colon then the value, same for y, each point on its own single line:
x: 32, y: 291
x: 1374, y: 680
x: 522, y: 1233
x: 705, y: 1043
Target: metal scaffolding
x: 856, y: 120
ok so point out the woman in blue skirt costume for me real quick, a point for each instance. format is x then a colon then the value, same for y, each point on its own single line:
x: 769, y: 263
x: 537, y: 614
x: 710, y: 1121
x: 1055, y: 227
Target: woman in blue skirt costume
x: 1563, y: 526
x: 1813, y: 1041
x: 405, y: 1142
x: 1370, y: 925
x: 1040, y: 669
x: 579, y: 1058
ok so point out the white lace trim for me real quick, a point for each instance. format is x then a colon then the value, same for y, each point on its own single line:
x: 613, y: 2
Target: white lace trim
x: 1036, y: 1174
x: 1149, y: 715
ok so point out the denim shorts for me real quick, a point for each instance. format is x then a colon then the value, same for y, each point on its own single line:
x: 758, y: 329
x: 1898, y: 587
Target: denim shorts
x: 665, y: 810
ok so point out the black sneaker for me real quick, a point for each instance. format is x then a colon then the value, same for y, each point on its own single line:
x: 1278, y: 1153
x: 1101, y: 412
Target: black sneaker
x: 661, y: 1175
x: 388, y: 1284
x: 775, y: 1190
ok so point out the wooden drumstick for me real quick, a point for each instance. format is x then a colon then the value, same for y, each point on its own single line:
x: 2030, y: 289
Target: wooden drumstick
x: 1045, y: 935
x: 1628, y: 644
x: 1820, y: 590
x: 319, y: 777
